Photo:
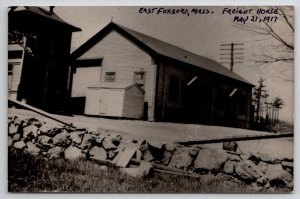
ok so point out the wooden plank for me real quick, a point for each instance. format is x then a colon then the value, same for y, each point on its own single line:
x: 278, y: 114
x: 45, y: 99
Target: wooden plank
x: 126, y: 156
x: 120, y: 151
x: 39, y: 111
x: 236, y: 138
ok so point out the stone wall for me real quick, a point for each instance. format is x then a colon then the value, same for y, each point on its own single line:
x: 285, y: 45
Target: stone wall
x: 50, y: 141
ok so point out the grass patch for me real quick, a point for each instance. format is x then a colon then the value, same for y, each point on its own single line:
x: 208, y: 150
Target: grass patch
x: 35, y: 174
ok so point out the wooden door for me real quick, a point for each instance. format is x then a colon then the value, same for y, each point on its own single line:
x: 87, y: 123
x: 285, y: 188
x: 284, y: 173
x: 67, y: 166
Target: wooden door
x: 104, y: 102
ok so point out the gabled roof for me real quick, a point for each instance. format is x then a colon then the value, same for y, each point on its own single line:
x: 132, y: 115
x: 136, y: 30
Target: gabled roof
x: 42, y: 13
x: 157, y: 47
x: 116, y: 85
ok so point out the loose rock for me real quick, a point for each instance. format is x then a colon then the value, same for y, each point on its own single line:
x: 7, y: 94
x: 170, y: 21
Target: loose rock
x: 147, y: 156
x: 229, y: 167
x: 55, y: 152
x: 209, y: 160
x: 75, y: 137
x: 87, y: 141
x: 108, y: 144
x: 73, y: 153
x: 247, y: 171
x: 45, y: 141
x: 181, y: 159
x: 98, y: 153
x: 145, y: 169
x: 61, y: 139
x: 19, y: 145
x: 13, y: 128
x: 30, y: 130
x: 32, y: 148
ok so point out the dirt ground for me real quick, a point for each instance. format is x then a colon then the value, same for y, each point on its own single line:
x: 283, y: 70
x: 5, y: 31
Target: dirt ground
x: 172, y: 132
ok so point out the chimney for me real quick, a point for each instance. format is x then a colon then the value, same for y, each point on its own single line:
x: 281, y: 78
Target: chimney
x: 51, y: 9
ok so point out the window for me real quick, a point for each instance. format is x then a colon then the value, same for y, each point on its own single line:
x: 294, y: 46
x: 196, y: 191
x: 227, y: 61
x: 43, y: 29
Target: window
x: 110, y: 76
x: 173, y: 88
x: 139, y: 78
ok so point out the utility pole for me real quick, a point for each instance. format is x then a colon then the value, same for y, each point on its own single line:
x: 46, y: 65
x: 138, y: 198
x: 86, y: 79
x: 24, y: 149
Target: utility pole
x: 232, y: 55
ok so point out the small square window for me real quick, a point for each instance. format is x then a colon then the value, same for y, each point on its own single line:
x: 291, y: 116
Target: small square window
x: 139, y: 78
x: 110, y: 76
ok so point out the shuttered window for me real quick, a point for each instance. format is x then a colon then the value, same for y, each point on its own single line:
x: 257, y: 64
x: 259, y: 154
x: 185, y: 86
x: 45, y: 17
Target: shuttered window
x: 139, y: 78
x: 110, y: 76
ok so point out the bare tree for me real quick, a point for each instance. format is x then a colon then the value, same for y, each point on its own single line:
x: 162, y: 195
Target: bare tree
x: 280, y: 33
x: 277, y: 104
x: 259, y: 93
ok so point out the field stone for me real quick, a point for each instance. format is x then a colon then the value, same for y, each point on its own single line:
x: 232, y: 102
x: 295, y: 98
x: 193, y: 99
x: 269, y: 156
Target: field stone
x: 166, y: 158
x: 100, y: 138
x: 233, y: 157
x: 268, y: 158
x: 138, y: 155
x: 289, y: 166
x: 147, y: 156
x: 10, y: 141
x: 75, y: 137
x: 143, y: 146
x: 193, y: 151
x: 87, y: 141
x: 61, y: 139
x: 262, y: 181
x: 98, y: 153
x: 32, y: 148
x: 45, y: 140
x: 108, y: 144
x: 276, y: 172
x: 229, y: 167
x: 181, y: 159
x: 16, y: 137
x: 19, y: 144
x: 129, y: 171
x: 245, y: 156
x: 116, y: 140
x: 103, y: 168
x: 35, y: 122
x: 54, y: 131
x: 155, y: 144
x: 73, y: 153
x: 13, y: 128
x: 144, y: 169
x: 30, y: 130
x: 170, y: 147
x: 248, y: 171
x: 209, y: 160
x: 55, y: 152
x: 111, y: 154
x: 18, y: 121
x: 45, y: 128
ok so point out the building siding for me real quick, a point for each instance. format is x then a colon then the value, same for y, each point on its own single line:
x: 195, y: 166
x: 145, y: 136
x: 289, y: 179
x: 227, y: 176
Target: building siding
x: 198, y: 101
x: 133, y: 103
x: 15, y: 77
x: 84, y: 77
x: 123, y: 57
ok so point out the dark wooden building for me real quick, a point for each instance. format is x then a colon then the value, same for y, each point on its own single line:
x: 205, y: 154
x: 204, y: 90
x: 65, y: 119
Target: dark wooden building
x: 43, y: 74
x: 179, y: 85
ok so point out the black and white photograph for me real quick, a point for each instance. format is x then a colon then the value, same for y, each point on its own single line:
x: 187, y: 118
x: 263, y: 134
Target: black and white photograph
x: 150, y: 99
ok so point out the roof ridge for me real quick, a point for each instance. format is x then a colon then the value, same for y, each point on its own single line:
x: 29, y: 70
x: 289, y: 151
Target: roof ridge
x: 161, y: 48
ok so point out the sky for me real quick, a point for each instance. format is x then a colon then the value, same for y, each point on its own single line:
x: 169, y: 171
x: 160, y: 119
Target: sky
x: 202, y: 34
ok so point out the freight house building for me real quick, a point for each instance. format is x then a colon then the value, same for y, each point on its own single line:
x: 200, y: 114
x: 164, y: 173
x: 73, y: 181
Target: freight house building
x: 123, y: 73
